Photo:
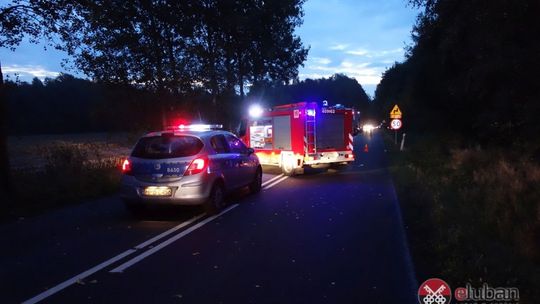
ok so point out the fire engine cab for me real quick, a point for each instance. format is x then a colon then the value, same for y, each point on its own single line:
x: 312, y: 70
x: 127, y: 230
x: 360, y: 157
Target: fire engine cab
x: 293, y: 136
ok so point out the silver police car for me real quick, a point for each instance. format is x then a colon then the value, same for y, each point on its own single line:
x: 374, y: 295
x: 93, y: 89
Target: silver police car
x: 188, y: 165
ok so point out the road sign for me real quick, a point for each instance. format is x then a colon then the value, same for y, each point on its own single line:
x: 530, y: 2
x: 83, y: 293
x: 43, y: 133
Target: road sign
x: 395, y: 124
x: 395, y: 113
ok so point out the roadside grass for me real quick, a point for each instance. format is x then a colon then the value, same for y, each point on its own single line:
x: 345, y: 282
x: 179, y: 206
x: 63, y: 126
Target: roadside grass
x: 472, y: 215
x: 64, y: 172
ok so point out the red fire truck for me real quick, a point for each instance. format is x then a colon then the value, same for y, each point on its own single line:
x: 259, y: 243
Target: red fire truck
x: 293, y: 136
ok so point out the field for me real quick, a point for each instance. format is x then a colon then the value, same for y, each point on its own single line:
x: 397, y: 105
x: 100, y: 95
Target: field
x: 53, y: 170
x: 32, y: 152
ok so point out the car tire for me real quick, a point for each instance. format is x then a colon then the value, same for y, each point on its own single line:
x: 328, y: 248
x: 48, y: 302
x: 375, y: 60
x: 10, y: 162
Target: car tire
x: 256, y: 184
x: 216, y: 200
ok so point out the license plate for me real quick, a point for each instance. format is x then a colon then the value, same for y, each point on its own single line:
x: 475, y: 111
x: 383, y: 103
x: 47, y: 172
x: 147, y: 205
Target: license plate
x: 331, y: 155
x: 157, y: 191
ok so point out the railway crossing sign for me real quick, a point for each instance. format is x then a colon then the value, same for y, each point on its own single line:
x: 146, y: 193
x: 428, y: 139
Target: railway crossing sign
x: 395, y: 113
x: 395, y: 124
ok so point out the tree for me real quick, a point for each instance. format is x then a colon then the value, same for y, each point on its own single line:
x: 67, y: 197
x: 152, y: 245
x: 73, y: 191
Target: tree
x: 178, y: 46
x: 5, y: 180
x: 33, y: 19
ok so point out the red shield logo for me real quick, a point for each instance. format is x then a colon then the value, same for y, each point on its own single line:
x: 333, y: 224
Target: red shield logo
x: 434, y: 291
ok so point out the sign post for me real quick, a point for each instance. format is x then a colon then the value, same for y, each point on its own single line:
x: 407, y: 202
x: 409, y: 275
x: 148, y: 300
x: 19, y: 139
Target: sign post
x: 395, y: 122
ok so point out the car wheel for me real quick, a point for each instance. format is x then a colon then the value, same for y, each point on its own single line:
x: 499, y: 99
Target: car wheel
x: 256, y: 184
x: 216, y: 200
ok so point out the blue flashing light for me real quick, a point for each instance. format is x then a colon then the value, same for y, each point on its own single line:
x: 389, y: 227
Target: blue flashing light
x: 310, y: 112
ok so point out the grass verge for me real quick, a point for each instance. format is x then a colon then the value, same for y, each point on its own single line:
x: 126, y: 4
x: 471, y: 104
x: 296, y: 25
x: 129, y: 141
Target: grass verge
x: 472, y: 215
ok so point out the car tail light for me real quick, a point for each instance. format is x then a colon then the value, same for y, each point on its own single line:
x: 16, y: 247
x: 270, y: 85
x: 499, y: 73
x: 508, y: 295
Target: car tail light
x: 198, y: 165
x: 126, y: 167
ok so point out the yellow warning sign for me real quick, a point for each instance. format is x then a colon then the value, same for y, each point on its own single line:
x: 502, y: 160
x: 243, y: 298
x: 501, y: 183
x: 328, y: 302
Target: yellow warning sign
x: 395, y: 113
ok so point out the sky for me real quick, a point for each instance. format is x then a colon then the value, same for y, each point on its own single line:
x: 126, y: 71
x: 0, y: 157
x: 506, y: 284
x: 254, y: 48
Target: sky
x: 359, y: 38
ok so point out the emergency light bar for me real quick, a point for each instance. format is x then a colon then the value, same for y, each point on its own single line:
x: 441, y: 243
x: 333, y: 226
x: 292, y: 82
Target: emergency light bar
x: 195, y: 127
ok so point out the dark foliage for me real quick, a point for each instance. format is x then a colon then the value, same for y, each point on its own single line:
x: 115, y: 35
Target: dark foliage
x: 472, y: 71
x: 67, y: 105
x: 180, y: 46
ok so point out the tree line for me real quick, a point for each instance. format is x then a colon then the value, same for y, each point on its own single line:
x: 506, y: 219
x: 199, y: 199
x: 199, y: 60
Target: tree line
x: 67, y: 104
x: 336, y: 89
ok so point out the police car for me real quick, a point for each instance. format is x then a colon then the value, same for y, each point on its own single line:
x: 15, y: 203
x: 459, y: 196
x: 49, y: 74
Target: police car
x: 188, y: 165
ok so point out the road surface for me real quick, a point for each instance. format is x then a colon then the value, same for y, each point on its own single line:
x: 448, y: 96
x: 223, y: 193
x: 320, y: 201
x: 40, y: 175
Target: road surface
x: 322, y: 237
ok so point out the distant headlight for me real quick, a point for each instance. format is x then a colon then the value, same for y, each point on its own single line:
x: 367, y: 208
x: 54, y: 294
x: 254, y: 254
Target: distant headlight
x: 368, y: 128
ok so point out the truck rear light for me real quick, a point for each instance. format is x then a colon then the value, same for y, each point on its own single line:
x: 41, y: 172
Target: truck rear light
x: 126, y: 167
x: 198, y: 165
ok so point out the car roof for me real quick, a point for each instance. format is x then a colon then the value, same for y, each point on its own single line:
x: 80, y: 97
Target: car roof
x: 201, y: 134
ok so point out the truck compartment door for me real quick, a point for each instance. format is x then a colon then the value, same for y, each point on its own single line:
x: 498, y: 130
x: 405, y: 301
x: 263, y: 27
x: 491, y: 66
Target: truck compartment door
x: 330, y: 128
x: 282, y: 132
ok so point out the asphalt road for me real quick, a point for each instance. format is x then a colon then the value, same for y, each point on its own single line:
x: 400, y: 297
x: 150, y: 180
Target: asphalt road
x: 322, y: 237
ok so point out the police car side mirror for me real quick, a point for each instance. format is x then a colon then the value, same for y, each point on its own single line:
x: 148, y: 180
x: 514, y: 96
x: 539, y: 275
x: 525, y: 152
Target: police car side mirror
x: 250, y: 151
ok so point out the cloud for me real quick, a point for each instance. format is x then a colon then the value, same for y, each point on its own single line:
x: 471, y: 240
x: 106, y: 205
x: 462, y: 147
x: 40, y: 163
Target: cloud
x: 321, y: 60
x: 29, y: 70
x: 358, y: 52
x: 362, y: 72
x: 314, y: 75
x: 339, y: 47
x: 375, y: 54
x: 388, y: 52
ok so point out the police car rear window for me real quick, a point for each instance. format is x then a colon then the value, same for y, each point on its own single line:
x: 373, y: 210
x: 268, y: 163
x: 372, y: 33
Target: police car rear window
x: 167, y: 146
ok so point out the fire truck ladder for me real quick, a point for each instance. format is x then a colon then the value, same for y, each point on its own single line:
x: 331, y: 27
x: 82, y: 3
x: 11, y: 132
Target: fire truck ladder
x: 311, y: 136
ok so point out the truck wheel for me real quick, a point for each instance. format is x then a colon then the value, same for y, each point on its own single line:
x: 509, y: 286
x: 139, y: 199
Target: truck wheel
x: 287, y: 170
x: 216, y: 200
x: 256, y: 185
x: 339, y: 166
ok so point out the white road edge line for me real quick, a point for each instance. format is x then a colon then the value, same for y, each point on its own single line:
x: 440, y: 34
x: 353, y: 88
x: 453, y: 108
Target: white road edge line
x: 49, y: 292
x: 271, y: 180
x: 164, y: 234
x: 171, y: 240
x: 113, y: 260
x: 275, y: 183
